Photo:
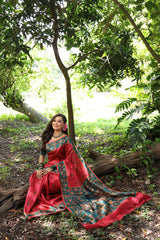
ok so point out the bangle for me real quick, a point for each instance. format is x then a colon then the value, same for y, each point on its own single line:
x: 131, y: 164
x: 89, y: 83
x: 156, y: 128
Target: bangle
x: 53, y: 167
x: 40, y: 165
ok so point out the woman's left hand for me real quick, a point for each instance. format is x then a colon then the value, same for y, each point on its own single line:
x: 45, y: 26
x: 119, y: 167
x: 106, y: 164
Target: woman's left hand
x: 46, y: 170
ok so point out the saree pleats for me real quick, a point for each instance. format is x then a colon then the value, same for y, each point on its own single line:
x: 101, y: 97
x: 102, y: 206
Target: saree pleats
x: 44, y: 196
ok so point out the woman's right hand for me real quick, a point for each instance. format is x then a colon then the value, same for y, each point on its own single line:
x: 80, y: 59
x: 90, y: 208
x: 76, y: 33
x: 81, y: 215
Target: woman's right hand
x: 39, y: 173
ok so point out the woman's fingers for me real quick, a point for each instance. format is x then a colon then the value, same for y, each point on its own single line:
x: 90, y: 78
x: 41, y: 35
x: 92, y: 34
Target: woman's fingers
x: 42, y: 172
x: 39, y: 174
x: 45, y: 171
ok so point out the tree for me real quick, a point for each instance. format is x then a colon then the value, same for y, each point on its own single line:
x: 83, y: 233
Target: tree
x: 147, y: 14
x: 48, y: 22
x: 146, y: 126
x: 11, y: 97
x: 96, y: 28
x: 77, y: 24
x: 11, y: 80
x: 14, y: 67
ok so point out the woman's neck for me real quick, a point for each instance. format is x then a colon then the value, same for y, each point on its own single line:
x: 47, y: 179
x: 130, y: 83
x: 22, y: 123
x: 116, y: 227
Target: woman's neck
x: 57, y: 134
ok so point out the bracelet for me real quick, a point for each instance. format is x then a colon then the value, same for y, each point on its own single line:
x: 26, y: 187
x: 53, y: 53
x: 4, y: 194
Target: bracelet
x: 40, y: 165
x: 53, y: 167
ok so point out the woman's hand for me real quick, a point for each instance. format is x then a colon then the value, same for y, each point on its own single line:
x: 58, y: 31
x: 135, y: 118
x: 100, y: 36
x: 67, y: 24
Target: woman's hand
x: 39, y: 173
x: 46, y: 170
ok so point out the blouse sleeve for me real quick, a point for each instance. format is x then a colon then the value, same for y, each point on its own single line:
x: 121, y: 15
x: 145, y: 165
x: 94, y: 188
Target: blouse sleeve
x: 43, y: 153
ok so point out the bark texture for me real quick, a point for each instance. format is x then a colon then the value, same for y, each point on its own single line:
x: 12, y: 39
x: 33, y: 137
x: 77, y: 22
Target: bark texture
x: 34, y: 115
x: 103, y: 163
x: 12, y: 198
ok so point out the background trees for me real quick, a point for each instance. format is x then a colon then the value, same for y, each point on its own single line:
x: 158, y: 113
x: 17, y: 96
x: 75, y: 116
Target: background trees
x: 146, y: 104
x: 103, y: 35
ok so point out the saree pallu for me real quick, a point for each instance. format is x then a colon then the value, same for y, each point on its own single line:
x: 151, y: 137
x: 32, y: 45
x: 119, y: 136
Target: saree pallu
x: 73, y: 186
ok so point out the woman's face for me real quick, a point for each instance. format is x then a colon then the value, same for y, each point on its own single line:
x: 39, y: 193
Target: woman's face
x: 58, y: 124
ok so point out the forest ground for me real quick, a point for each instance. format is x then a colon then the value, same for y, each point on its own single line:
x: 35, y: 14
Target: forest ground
x: 19, y: 151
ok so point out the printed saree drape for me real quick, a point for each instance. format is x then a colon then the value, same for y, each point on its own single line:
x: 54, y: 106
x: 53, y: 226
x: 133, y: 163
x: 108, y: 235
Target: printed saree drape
x: 75, y: 187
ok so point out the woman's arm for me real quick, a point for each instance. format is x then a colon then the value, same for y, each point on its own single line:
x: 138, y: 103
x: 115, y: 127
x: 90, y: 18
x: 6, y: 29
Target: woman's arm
x: 39, y: 173
x: 41, y: 160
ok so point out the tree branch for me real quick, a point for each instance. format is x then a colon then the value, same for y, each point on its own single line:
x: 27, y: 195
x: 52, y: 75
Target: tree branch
x: 154, y: 55
x: 81, y: 58
x: 55, y: 41
x: 109, y: 19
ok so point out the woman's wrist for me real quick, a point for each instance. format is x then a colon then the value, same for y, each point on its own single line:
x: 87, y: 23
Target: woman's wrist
x: 40, y: 165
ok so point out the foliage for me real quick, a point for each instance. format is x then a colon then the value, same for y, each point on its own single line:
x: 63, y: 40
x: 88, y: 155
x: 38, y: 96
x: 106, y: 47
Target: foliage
x: 144, y: 106
x: 46, y: 77
x: 101, y: 33
x: 143, y: 17
x: 147, y: 125
x: 12, y: 82
x: 111, y: 61
x: 107, y: 54
x: 14, y: 61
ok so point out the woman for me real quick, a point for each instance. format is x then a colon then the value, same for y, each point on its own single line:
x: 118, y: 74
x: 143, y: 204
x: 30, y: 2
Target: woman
x: 66, y: 182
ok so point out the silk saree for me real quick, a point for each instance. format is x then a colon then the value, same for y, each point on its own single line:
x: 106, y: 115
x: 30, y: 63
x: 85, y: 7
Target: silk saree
x: 73, y: 186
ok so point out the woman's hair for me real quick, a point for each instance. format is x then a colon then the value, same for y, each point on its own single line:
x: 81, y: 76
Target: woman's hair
x: 48, y: 132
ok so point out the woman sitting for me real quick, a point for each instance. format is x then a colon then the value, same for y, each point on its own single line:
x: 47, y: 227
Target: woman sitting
x: 66, y: 182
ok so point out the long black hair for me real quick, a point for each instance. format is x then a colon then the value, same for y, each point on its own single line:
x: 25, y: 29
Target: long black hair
x: 48, y: 132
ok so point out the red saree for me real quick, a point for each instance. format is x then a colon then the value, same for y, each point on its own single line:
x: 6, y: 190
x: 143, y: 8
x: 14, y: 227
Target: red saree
x: 75, y: 187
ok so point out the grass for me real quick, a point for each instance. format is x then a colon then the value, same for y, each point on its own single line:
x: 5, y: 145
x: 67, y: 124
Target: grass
x: 14, y: 117
x: 4, y: 172
x: 100, y: 136
x: 101, y: 126
x: 23, y: 145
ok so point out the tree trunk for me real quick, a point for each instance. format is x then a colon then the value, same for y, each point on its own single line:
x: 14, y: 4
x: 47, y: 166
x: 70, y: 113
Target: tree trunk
x: 34, y: 115
x: 68, y: 89
x: 103, y: 163
x: 69, y: 106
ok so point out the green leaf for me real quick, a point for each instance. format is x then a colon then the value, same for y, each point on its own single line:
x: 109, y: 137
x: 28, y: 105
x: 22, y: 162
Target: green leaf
x: 125, y: 104
x: 13, y: 2
x: 149, y: 5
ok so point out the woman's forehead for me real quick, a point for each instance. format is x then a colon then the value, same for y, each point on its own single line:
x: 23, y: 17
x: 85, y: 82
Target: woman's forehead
x: 58, y: 118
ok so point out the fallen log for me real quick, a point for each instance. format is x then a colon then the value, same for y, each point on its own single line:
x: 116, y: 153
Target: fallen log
x: 103, y: 163
x: 12, y: 198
